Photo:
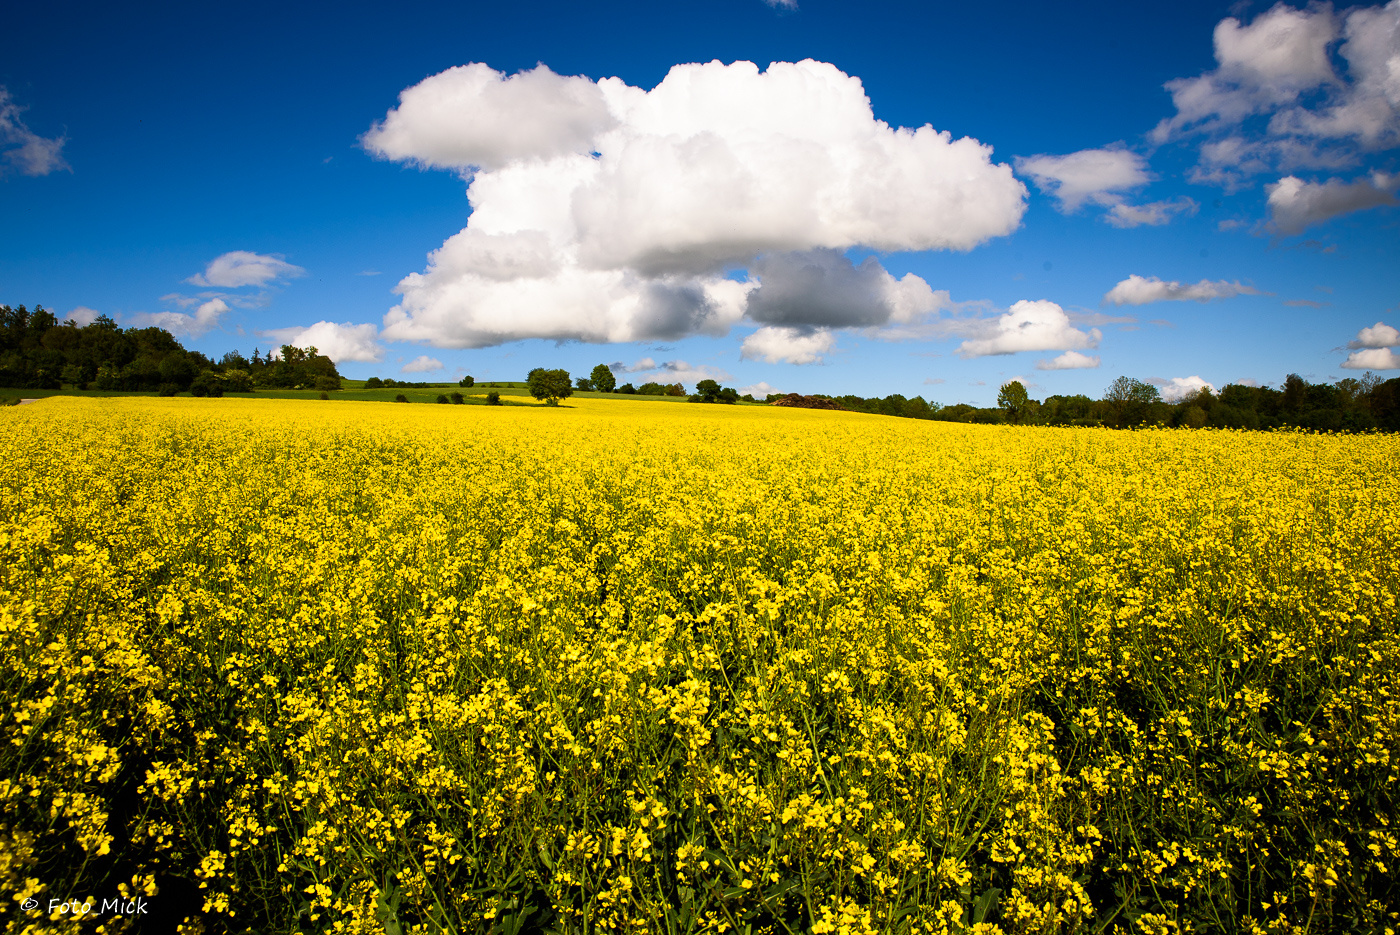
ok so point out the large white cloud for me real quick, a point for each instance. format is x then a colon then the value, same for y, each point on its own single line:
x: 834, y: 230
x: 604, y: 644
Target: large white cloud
x: 1141, y: 290
x: 1029, y: 326
x: 239, y: 268
x: 1296, y: 205
x: 619, y: 221
x: 339, y: 342
x: 21, y: 147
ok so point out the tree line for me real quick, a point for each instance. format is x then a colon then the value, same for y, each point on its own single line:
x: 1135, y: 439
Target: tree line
x: 39, y: 352
x: 1352, y: 405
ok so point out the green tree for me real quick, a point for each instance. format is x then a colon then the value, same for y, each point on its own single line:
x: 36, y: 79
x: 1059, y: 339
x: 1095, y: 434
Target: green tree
x: 549, y: 385
x: 1129, y: 401
x: 1015, y: 400
x: 602, y: 379
x: 467, y: 381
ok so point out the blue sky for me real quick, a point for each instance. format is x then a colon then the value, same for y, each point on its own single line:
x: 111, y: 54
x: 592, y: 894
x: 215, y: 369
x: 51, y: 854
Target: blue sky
x: 251, y: 177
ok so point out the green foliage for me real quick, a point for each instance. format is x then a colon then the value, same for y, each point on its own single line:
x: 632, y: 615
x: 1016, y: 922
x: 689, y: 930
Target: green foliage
x: 583, y: 385
x: 709, y: 391
x: 458, y: 399
x: 1014, y: 399
x: 549, y: 385
x: 627, y: 388
x: 602, y: 379
x: 373, y: 383
x: 493, y: 399
x: 442, y: 398
x: 400, y: 398
x: 466, y: 381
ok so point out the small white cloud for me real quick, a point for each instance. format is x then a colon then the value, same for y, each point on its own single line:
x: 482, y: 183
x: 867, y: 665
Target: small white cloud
x: 1029, y: 326
x: 338, y: 342
x: 422, y: 364
x: 1095, y: 176
x: 1141, y: 290
x: 1178, y: 388
x: 82, y: 315
x: 239, y: 268
x: 1376, y: 358
x: 205, y: 319
x: 934, y: 381
x: 1154, y: 214
x: 368, y: 272
x: 758, y: 390
x: 1378, y: 335
x: 28, y: 152
x: 1069, y: 360
x: 1296, y: 205
x: 792, y: 345
x: 782, y: 4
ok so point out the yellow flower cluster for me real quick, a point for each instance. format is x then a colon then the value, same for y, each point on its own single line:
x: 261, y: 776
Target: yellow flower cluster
x: 629, y: 666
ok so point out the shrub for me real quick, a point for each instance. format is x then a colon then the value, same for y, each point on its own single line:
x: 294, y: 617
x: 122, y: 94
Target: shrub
x: 170, y: 389
x: 466, y: 381
x: 442, y: 398
x: 493, y: 399
x: 373, y: 383
x: 325, y: 383
x: 457, y: 399
x: 401, y: 398
x: 325, y: 395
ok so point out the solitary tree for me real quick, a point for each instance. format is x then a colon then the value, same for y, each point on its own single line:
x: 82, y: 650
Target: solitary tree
x: 1015, y: 400
x: 602, y: 379
x: 549, y: 385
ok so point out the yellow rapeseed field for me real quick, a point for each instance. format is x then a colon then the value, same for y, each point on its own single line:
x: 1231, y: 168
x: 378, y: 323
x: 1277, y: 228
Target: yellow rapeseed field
x: 625, y: 666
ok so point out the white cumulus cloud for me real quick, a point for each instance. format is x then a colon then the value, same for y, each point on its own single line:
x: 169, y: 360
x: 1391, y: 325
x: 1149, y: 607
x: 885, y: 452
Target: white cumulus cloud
x: 1378, y: 335
x: 1375, y: 358
x: 790, y: 345
x: 1141, y: 290
x: 28, y: 152
x: 1178, y: 388
x: 421, y: 364
x: 239, y: 268
x: 339, y: 342
x: 1029, y: 326
x: 1069, y: 360
x: 1296, y: 205
x: 603, y: 212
